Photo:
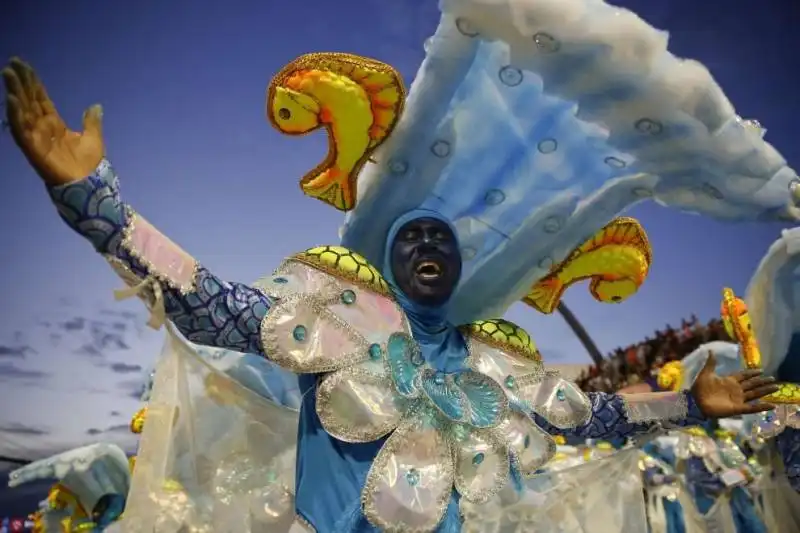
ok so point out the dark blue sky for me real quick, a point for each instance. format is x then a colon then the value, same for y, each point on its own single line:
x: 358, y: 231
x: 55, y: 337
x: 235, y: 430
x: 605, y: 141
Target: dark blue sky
x: 183, y: 88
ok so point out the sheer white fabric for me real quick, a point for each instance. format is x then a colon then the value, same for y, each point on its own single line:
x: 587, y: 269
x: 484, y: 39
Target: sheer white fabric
x: 780, y: 503
x: 214, y: 457
x: 603, y: 496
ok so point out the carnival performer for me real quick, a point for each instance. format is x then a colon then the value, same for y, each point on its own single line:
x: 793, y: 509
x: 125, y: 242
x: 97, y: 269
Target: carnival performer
x: 397, y: 317
x: 422, y: 267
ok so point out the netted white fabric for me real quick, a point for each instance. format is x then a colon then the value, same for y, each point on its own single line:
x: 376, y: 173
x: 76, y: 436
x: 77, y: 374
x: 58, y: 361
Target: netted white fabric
x: 603, y: 496
x: 213, y: 456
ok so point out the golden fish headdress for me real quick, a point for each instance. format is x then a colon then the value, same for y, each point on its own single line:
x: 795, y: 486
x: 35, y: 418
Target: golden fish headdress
x: 522, y: 178
x: 358, y: 100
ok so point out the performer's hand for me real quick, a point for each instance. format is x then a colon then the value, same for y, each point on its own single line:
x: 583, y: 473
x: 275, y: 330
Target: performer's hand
x: 58, y: 155
x: 722, y: 397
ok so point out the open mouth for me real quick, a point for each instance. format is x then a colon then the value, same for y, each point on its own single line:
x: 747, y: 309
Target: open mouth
x: 428, y: 270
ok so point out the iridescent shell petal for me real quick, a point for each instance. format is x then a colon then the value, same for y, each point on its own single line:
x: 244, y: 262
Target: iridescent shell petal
x: 557, y: 400
x: 410, y: 482
x: 404, y: 361
x: 358, y: 405
x: 531, y: 447
x: 481, y: 466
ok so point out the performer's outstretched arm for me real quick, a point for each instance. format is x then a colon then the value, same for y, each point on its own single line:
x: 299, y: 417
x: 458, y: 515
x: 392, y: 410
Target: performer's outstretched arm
x: 204, y: 308
x: 621, y: 416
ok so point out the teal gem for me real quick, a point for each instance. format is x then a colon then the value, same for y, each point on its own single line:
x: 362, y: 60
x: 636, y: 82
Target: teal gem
x: 348, y: 297
x: 561, y: 395
x: 412, y: 477
x: 272, y: 476
x: 280, y: 280
x: 299, y: 333
x: 478, y: 459
x: 438, y: 379
x: 527, y: 442
x: 375, y: 352
x: 510, y: 382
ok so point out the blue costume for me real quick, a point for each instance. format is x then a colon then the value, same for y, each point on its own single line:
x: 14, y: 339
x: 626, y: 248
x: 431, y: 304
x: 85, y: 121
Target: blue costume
x: 527, y: 130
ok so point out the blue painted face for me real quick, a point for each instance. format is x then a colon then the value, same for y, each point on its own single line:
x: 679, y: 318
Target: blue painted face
x: 425, y: 261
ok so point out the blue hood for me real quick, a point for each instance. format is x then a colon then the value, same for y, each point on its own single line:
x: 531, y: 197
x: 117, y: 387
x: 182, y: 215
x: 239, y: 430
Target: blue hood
x: 442, y: 345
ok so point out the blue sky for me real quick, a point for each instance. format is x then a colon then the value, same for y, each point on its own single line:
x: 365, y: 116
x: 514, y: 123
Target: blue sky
x: 183, y: 89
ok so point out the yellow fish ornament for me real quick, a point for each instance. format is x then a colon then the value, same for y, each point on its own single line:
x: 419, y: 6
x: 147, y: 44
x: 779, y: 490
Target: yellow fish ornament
x: 736, y: 319
x: 358, y: 101
x: 616, y: 260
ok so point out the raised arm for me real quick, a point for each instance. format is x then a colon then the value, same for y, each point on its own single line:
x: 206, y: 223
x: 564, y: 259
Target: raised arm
x: 204, y: 308
x: 85, y: 190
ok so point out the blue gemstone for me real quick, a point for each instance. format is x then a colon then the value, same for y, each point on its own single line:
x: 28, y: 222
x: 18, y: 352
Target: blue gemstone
x: 438, y: 379
x: 348, y: 297
x: 510, y: 382
x: 561, y: 395
x: 375, y: 352
x: 280, y: 281
x: 299, y: 333
x: 412, y: 477
x: 478, y: 459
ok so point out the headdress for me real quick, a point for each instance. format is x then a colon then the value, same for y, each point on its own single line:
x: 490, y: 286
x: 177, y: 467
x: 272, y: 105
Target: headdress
x: 529, y: 126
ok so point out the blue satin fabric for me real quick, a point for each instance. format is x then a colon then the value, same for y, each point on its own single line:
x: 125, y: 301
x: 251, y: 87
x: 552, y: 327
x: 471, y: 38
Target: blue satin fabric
x: 330, y: 473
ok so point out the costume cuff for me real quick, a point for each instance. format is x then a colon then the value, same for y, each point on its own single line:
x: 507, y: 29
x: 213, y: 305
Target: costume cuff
x: 657, y: 406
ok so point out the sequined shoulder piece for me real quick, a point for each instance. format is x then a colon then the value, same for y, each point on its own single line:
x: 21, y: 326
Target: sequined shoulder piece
x: 506, y: 353
x: 345, y: 265
x: 332, y: 309
x: 505, y: 336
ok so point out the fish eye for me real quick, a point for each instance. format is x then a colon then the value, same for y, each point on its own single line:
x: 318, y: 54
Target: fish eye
x: 284, y: 113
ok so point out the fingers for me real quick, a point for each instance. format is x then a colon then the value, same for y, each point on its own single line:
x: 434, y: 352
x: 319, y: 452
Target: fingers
x: 16, y: 118
x: 748, y: 374
x: 93, y: 121
x: 25, y: 74
x: 755, y: 382
x: 40, y: 94
x: 760, y: 392
x: 14, y: 86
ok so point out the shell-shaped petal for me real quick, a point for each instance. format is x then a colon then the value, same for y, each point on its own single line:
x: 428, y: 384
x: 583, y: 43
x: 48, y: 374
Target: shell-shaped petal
x: 357, y: 405
x: 531, y: 446
x: 404, y: 360
x: 322, y: 323
x: 486, y: 401
x: 442, y: 391
x: 481, y: 463
x: 467, y: 397
x: 558, y: 400
x: 409, y: 484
